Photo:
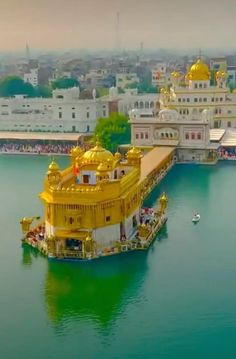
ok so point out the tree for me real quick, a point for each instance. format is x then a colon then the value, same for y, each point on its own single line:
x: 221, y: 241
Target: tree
x: 14, y: 85
x: 64, y: 83
x: 113, y: 131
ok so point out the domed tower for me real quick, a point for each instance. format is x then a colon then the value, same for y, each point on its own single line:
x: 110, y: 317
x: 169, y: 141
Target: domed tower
x: 221, y: 79
x: 75, y: 153
x: 134, y: 156
x: 53, y: 174
x: 165, y: 97
x: 102, y: 173
x: 198, y: 76
x: 96, y: 155
x: 175, y: 79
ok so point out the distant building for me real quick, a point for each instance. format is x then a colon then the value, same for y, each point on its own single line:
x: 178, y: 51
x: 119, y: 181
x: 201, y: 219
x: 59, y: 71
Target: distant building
x: 231, y: 71
x: 64, y: 112
x: 31, y: 77
x: 218, y: 64
x: 186, y: 114
x: 160, y: 77
x: 125, y: 79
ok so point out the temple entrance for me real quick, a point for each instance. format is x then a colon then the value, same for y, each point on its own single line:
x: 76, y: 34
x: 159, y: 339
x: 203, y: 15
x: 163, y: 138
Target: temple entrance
x: 73, y: 244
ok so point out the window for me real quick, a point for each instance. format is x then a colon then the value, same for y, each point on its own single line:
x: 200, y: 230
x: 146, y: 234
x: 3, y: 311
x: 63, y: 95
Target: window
x: 186, y: 136
x: 199, y: 136
x: 205, y: 99
x: 146, y: 135
x: 188, y: 99
x: 86, y: 178
x: 108, y: 218
x: 200, y: 99
x: 137, y: 136
x: 195, y: 100
x: 73, y: 115
x: 179, y: 99
x: 205, y: 86
x: 195, y: 85
x: 87, y: 115
x: 141, y: 135
x: 104, y: 113
x: 88, y: 128
x: 193, y: 136
x: 60, y: 115
x: 229, y: 124
x: 200, y: 86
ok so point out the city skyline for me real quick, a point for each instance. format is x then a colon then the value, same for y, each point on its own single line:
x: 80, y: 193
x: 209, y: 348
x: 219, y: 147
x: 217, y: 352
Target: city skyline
x: 93, y: 25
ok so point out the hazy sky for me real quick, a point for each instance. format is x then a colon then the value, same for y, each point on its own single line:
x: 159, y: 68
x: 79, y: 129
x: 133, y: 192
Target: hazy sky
x: 55, y: 24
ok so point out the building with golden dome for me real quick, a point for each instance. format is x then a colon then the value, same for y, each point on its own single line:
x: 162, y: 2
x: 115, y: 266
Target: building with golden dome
x: 93, y: 208
x: 190, y: 111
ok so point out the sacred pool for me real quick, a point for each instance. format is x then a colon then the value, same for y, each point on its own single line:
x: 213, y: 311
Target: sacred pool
x: 177, y: 300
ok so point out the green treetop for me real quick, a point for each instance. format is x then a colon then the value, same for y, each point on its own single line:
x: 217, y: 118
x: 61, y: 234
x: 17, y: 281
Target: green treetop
x: 113, y: 131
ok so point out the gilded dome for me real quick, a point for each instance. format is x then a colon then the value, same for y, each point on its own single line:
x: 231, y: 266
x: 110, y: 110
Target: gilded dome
x: 134, y: 152
x: 76, y: 151
x: 199, y: 72
x: 97, y: 155
x: 53, y: 166
x: 175, y: 74
x: 221, y: 74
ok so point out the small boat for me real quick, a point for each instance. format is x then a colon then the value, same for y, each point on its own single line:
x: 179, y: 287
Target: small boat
x: 196, y: 218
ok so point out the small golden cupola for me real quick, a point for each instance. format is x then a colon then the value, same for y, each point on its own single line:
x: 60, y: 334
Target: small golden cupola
x: 134, y: 156
x: 221, y: 78
x: 53, y: 174
x: 102, y: 173
x: 175, y: 78
x: 97, y: 155
x: 75, y: 153
x: 199, y: 72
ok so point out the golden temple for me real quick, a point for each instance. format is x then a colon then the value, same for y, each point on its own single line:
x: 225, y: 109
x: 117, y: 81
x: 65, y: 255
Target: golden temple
x: 93, y: 208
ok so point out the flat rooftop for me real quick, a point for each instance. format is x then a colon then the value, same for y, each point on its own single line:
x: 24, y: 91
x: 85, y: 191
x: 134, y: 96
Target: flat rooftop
x: 153, y: 159
x: 5, y: 135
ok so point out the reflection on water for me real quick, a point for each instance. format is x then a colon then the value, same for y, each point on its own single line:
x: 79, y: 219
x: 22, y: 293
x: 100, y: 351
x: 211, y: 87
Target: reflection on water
x: 96, y: 290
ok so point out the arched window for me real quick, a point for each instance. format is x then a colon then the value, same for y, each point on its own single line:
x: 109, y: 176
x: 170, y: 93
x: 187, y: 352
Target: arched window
x: 146, y: 104
x: 151, y: 104
x: 136, y: 104
x: 141, y: 104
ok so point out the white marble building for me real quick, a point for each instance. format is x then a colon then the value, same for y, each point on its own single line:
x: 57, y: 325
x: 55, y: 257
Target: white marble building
x: 64, y: 112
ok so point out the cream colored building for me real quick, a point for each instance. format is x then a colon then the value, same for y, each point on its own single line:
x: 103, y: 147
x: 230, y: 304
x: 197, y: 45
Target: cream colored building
x: 186, y: 115
x: 125, y: 79
x: 64, y: 112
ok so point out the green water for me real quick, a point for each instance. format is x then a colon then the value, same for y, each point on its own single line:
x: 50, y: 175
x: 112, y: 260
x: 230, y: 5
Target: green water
x: 178, y: 300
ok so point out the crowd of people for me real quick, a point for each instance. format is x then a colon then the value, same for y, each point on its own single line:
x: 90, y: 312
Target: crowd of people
x: 36, y: 148
x: 227, y: 154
